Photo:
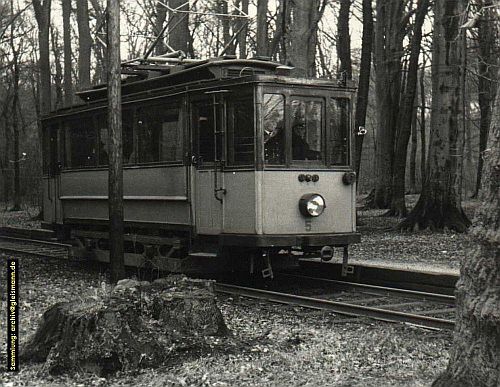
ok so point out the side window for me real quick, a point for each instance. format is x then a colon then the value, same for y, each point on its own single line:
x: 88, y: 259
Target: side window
x: 273, y: 113
x: 339, y: 130
x: 306, y: 125
x: 159, y: 134
x: 102, y: 131
x: 241, y: 133
x: 170, y: 136
x: 127, y: 137
x: 47, y: 140
x: 81, y: 138
x: 203, y: 122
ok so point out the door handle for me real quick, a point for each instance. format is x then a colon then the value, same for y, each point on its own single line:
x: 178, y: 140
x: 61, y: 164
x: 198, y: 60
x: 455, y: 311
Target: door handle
x: 196, y: 160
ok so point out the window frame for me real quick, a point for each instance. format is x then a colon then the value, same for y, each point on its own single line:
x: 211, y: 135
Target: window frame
x: 307, y: 92
x: 221, y: 115
x: 173, y: 104
x: 349, y: 145
x: 249, y: 98
x: 286, y: 139
x: 323, y: 162
x: 67, y: 131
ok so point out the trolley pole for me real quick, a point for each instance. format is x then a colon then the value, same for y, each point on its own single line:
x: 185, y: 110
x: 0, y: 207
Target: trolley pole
x: 115, y: 176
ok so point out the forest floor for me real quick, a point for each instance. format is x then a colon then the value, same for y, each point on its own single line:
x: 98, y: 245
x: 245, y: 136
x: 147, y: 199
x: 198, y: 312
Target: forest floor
x: 382, y: 244
x: 284, y: 346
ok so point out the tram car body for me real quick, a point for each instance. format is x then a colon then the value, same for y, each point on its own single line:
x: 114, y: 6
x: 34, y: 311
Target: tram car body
x: 227, y: 163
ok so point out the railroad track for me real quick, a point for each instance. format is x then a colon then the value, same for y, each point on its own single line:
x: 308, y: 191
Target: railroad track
x: 377, y: 302
x: 425, y: 309
x: 36, y: 247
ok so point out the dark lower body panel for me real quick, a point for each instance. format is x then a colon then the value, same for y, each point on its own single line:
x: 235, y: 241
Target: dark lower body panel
x: 300, y: 240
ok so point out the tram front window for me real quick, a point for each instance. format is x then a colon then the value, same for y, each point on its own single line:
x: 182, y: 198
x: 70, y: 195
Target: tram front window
x: 339, y: 130
x: 274, y: 129
x: 306, y: 124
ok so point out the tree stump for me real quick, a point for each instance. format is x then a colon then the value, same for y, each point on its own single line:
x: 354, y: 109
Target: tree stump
x: 136, y: 325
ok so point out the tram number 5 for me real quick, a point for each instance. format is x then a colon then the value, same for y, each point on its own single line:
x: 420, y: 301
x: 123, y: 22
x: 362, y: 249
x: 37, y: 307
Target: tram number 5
x: 308, y: 225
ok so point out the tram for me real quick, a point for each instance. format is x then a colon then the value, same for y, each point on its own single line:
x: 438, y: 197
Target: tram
x: 228, y: 163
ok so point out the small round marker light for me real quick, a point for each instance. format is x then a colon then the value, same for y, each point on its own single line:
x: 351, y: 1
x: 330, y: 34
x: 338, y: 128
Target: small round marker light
x: 349, y: 178
x: 312, y: 205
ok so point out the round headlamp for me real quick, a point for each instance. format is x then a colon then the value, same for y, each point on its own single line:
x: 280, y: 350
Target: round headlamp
x: 312, y: 204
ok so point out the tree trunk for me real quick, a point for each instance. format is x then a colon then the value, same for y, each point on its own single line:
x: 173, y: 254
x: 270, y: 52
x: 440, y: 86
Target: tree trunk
x: 99, y: 48
x: 58, y: 77
x: 6, y: 153
x: 439, y: 205
x: 398, y: 205
x: 14, y: 114
x: 137, y: 325
x: 413, y: 151
x: 488, y: 64
x: 178, y: 33
x: 84, y: 44
x: 389, y: 34
x: 475, y: 355
x: 303, y: 36
x: 226, y: 28
x: 423, y: 146
x: 161, y: 15
x: 68, y: 82
x: 242, y: 37
x: 262, y: 48
x: 364, y: 79
x: 344, y: 41
x: 279, y: 43
x: 42, y: 15
x: 115, y: 144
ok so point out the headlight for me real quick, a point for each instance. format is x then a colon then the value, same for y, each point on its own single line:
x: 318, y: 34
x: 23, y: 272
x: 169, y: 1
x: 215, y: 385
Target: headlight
x: 312, y: 204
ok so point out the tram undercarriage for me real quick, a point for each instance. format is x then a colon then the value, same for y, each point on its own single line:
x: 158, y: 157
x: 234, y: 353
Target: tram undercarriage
x: 173, y: 254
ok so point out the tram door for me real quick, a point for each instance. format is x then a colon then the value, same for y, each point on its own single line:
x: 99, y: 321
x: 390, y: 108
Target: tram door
x: 207, y: 160
x: 51, y: 199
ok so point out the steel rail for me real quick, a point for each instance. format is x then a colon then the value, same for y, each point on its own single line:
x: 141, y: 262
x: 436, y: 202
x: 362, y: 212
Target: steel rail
x: 37, y: 241
x: 29, y: 249
x: 338, y: 307
x: 375, y: 289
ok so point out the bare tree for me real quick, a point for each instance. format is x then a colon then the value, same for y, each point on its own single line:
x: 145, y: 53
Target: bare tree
x: 279, y: 43
x: 84, y: 44
x: 262, y: 30
x: 243, y: 25
x: 344, y: 40
x: 423, y: 142
x: 364, y: 78
x: 160, y: 17
x: 487, y: 77
x: 99, y: 44
x: 305, y: 17
x: 178, y: 34
x: 406, y: 114
x: 115, y: 143
x: 388, y: 52
x: 42, y: 15
x: 68, y: 81
x: 413, y: 149
x: 58, y: 76
x: 14, y: 112
x: 439, y: 205
x: 474, y: 357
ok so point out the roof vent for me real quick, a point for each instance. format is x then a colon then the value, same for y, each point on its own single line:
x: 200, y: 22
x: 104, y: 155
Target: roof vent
x: 284, y: 70
x: 262, y: 57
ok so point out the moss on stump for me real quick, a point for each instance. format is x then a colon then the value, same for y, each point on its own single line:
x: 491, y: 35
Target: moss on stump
x: 136, y: 325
